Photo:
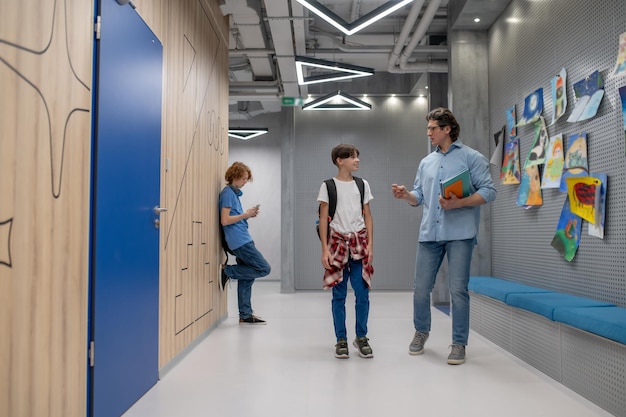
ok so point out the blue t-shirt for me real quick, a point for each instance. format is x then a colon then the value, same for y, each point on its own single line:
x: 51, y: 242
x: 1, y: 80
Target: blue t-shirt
x: 237, y: 233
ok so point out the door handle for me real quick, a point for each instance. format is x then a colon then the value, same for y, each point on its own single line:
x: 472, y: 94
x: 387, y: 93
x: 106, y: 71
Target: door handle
x: 158, y: 210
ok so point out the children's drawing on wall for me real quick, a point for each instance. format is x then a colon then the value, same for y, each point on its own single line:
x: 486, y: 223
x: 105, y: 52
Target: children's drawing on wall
x: 537, y: 153
x: 567, y: 236
x: 589, y: 93
x: 559, y: 98
x: 511, y: 121
x: 530, y: 188
x: 576, y: 163
x: 510, y: 173
x: 597, y: 229
x: 554, y: 163
x: 496, y: 158
x: 622, y: 95
x: 620, y: 65
x: 533, y: 106
x: 584, y: 196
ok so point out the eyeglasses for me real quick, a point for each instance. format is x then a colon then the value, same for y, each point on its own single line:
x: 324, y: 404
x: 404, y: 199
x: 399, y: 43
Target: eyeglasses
x: 432, y: 128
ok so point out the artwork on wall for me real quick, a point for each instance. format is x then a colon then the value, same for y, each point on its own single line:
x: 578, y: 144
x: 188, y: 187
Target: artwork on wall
x: 559, y: 98
x: 584, y: 197
x: 511, y: 121
x: 510, y: 173
x: 537, y: 153
x: 530, y: 188
x: 576, y: 163
x: 620, y: 65
x: 554, y: 163
x: 622, y: 95
x: 597, y: 229
x: 567, y: 235
x: 533, y: 106
x: 496, y: 158
x: 589, y: 92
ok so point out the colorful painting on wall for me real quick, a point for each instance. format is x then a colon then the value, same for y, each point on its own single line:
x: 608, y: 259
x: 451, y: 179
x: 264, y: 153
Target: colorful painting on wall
x: 537, y: 153
x: 620, y: 65
x: 584, y: 197
x: 511, y: 121
x: 510, y: 173
x: 589, y: 93
x: 567, y: 235
x: 576, y: 163
x: 554, y: 163
x: 533, y: 106
x: 597, y: 229
x: 559, y: 98
x: 530, y: 188
x: 622, y: 95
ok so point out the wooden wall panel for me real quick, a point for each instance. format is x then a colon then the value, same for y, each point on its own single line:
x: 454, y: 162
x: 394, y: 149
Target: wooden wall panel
x: 45, y: 138
x: 194, y: 153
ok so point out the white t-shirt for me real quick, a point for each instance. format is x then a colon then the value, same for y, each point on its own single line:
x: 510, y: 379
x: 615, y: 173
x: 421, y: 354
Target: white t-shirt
x: 348, y: 216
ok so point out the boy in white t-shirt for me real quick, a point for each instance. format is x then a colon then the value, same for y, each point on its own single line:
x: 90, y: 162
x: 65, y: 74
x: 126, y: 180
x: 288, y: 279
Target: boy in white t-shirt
x: 348, y: 252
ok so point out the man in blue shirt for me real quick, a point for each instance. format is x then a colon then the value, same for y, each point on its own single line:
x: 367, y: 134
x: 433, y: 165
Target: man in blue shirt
x: 449, y: 226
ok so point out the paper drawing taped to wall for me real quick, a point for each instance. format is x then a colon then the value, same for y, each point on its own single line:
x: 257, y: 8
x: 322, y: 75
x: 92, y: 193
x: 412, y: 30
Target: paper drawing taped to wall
x: 533, y: 106
x: 559, y: 97
x: 554, y: 163
x: 567, y: 235
x: 589, y: 93
x: 576, y: 164
x: 510, y: 173
x: 537, y: 153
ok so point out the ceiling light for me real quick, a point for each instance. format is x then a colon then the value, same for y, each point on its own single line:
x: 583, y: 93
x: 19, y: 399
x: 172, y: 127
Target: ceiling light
x: 337, y: 101
x: 364, y: 21
x: 477, y: 19
x: 247, y: 133
x: 338, y: 71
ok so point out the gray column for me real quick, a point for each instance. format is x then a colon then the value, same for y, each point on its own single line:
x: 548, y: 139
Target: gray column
x: 287, y: 184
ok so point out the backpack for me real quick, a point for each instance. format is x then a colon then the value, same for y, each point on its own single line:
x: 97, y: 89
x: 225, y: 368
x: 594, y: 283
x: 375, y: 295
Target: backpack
x: 332, y: 201
x: 224, y: 243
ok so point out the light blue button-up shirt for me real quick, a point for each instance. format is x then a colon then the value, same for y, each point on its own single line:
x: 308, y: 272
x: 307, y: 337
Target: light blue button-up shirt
x: 456, y: 224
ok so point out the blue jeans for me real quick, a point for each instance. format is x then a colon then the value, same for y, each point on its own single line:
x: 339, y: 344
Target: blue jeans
x: 428, y: 260
x: 352, y: 272
x: 250, y: 266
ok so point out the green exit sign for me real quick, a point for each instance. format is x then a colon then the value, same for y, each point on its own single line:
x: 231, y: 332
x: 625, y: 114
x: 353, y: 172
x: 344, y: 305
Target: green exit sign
x: 292, y: 101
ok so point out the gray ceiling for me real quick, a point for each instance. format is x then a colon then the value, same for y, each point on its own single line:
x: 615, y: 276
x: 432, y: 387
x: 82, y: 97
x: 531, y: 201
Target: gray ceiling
x: 265, y: 37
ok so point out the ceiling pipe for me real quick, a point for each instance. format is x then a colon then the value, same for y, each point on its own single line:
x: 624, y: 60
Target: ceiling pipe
x: 404, y: 52
x: 376, y: 49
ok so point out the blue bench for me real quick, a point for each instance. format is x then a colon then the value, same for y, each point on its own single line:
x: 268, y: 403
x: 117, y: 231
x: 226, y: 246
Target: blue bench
x: 597, y: 317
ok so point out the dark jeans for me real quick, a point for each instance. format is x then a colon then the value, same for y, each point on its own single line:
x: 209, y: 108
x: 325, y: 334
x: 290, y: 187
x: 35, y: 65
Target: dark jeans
x: 250, y: 266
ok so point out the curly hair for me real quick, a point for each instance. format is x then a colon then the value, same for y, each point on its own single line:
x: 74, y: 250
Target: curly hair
x: 236, y: 171
x: 444, y: 117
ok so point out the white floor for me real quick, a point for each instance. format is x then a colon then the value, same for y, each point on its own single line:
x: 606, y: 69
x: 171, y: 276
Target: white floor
x: 288, y: 368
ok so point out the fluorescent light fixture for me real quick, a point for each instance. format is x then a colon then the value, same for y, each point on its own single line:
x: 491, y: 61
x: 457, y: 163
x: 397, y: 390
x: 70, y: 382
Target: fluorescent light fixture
x: 337, y: 101
x: 364, y: 21
x: 247, y: 133
x: 338, y: 71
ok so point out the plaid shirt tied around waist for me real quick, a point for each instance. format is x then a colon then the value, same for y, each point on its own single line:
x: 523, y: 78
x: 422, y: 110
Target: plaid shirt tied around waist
x: 342, y: 248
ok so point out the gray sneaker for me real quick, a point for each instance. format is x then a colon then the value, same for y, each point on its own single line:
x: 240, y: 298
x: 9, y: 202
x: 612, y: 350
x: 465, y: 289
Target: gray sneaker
x: 341, y: 349
x: 417, y: 344
x: 365, y: 350
x: 457, y: 355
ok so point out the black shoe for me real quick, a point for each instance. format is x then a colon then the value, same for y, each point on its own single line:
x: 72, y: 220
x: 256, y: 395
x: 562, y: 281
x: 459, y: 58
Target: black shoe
x: 252, y: 320
x: 224, y: 280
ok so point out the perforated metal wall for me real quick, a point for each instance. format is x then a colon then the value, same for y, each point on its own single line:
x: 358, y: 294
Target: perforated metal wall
x: 529, y: 44
x: 392, y: 140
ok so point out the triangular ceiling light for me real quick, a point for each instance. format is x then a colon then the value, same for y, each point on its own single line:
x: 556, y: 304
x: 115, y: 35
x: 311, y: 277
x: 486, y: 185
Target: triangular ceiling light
x: 337, y: 70
x: 246, y: 134
x: 337, y: 101
x: 364, y: 21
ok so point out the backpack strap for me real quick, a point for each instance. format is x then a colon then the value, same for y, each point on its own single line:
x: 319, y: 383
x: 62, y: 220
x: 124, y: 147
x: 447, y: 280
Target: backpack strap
x: 332, y: 197
x: 361, y: 186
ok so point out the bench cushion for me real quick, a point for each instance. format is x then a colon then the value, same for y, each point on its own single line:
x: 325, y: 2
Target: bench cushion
x: 547, y: 303
x: 499, y: 288
x: 609, y: 322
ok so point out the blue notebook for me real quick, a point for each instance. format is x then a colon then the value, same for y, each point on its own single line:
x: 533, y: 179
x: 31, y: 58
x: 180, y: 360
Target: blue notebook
x: 458, y: 184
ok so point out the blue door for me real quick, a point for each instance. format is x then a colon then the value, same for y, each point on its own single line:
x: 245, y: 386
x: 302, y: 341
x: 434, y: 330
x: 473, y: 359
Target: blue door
x: 126, y: 190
